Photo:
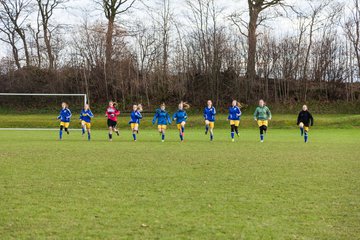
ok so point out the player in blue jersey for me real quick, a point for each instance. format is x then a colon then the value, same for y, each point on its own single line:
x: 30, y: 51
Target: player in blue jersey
x: 209, y: 116
x: 181, y: 117
x: 234, y: 118
x: 162, y: 118
x: 85, y: 117
x: 135, y: 117
x: 64, y: 117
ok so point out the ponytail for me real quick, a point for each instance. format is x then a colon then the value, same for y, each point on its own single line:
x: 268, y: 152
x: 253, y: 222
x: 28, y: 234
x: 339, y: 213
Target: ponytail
x: 185, y: 105
x: 140, y: 107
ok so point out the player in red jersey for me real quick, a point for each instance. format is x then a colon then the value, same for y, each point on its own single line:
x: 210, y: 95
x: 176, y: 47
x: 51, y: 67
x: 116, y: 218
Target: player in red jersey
x: 112, y: 113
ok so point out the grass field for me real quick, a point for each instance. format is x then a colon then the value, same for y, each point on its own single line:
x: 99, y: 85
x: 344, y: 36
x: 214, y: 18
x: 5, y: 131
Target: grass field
x: 283, y: 121
x: 281, y: 189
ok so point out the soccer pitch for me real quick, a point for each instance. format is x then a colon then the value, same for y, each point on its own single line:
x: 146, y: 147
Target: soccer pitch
x: 280, y: 189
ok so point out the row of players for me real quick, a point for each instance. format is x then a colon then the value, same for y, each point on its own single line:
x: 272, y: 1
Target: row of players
x: 262, y: 116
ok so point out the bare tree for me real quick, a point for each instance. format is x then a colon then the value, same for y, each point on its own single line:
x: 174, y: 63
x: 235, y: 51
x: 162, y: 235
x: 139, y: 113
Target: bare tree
x: 248, y: 26
x: 112, y: 8
x: 17, y: 12
x: 313, y: 25
x: 161, y: 57
x: 10, y: 38
x: 162, y: 18
x: 209, y: 42
x: 146, y: 53
x: 352, y: 29
x: 166, y: 18
x: 255, y: 8
x: 46, y: 10
x: 35, y: 41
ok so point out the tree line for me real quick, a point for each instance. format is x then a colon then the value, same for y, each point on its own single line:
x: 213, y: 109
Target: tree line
x: 207, y: 52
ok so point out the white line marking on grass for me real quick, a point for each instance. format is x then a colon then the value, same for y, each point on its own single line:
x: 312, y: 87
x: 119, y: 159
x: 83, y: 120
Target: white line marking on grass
x: 34, y: 129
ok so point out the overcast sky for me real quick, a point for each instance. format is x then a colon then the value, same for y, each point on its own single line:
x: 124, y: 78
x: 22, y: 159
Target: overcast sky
x: 75, y: 11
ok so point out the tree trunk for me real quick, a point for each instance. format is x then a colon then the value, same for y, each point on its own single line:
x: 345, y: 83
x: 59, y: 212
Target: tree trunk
x: 108, y: 59
x: 37, y: 40
x: 22, y: 36
x: 16, y: 55
x: 305, y: 87
x: 48, y: 46
x: 27, y: 55
x: 251, y: 61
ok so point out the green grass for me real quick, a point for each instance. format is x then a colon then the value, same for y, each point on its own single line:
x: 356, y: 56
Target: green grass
x: 281, y: 189
x: 284, y: 121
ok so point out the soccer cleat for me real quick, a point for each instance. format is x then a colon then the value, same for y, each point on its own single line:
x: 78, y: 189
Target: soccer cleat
x: 261, y: 138
x: 67, y: 132
x: 233, y: 140
x: 162, y: 140
x: 206, y: 132
x: 117, y: 133
x: 237, y: 134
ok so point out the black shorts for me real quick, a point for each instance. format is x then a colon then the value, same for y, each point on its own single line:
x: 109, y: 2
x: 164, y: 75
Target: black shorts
x: 111, y: 123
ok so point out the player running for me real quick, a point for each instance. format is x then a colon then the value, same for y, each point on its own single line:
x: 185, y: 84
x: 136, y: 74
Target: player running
x: 64, y: 117
x: 162, y: 118
x: 85, y: 117
x: 262, y: 116
x: 135, y: 117
x: 181, y: 117
x: 304, y: 120
x: 209, y: 116
x: 234, y: 118
x: 112, y: 113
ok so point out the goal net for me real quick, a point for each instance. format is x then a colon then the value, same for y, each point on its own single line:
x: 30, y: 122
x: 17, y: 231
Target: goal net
x: 37, y: 111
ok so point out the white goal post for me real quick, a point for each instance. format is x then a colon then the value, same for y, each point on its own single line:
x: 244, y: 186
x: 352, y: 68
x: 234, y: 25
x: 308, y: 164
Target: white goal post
x: 47, y: 94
